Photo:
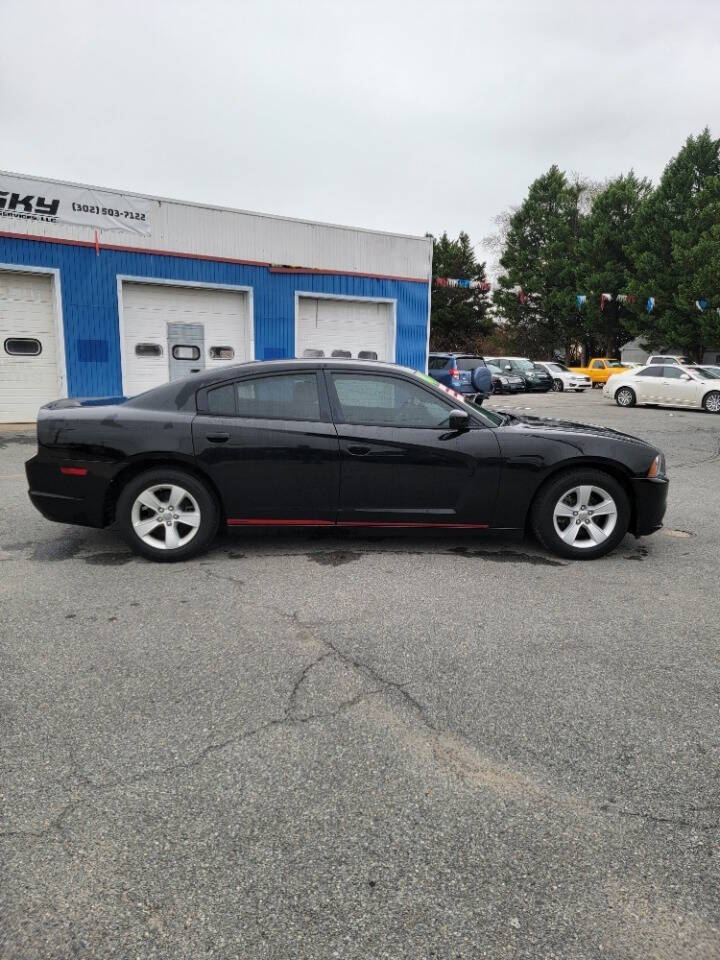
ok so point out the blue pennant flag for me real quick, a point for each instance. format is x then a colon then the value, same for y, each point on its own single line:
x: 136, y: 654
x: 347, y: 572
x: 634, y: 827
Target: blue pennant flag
x: 650, y: 304
x: 463, y: 283
x: 581, y: 298
x: 701, y: 304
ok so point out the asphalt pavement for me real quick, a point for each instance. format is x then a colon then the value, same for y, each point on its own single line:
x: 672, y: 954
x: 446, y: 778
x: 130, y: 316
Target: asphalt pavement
x: 340, y: 746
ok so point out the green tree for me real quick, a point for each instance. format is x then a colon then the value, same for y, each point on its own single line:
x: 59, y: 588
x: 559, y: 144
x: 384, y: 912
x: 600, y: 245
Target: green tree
x: 605, y: 263
x: 676, y: 251
x: 540, y: 258
x: 458, y: 315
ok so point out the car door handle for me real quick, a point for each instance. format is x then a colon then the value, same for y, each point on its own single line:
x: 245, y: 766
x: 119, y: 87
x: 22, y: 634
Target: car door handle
x: 217, y: 437
x: 358, y: 451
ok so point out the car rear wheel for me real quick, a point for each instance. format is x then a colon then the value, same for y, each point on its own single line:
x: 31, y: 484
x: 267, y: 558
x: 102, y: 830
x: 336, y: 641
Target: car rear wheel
x: 557, y: 386
x: 167, y: 514
x: 625, y: 397
x: 712, y: 402
x: 582, y: 514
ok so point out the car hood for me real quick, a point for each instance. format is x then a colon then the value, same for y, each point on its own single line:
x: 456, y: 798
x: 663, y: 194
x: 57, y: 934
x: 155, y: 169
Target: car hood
x: 548, y: 427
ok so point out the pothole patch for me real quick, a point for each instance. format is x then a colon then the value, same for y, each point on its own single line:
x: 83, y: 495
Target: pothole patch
x: 679, y: 534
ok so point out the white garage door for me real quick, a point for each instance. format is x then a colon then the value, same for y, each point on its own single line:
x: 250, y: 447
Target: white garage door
x: 28, y: 351
x: 359, y: 328
x: 218, y: 324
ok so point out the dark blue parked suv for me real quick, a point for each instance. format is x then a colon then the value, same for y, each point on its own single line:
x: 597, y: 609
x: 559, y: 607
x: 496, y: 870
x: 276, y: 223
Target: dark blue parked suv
x: 464, y: 372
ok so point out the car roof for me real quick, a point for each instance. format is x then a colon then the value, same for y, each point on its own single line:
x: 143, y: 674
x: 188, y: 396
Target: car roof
x: 177, y: 393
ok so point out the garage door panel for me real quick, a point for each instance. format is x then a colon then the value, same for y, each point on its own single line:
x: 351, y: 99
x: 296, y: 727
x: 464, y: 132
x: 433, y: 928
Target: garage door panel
x: 148, y: 309
x: 27, y: 311
x: 329, y: 324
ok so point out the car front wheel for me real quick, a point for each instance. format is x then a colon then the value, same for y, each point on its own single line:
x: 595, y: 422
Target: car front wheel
x: 167, y: 514
x: 582, y: 515
x: 557, y: 385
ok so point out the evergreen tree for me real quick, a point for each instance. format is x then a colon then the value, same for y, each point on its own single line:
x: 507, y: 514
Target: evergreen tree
x: 458, y: 315
x: 676, y: 251
x: 605, y: 264
x: 540, y: 259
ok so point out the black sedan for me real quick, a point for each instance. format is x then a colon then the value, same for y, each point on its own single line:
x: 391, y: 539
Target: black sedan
x: 334, y: 443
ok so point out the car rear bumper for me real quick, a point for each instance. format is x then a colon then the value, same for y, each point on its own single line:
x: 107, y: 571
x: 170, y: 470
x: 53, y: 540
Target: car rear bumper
x: 650, y: 504
x: 71, y: 498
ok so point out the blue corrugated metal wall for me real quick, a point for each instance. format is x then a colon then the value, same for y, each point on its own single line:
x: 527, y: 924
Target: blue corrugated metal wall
x: 90, y: 307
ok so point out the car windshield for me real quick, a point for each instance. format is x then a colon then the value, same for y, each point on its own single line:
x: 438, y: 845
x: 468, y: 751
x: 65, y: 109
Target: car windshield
x: 613, y: 363
x: 706, y: 373
x: 492, y: 418
x: 556, y: 367
x: 524, y: 364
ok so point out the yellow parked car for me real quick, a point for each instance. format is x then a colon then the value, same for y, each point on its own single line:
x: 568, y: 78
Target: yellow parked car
x: 600, y: 369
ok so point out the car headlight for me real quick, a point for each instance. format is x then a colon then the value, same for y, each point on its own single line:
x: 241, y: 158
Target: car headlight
x: 657, y: 467
x: 504, y: 380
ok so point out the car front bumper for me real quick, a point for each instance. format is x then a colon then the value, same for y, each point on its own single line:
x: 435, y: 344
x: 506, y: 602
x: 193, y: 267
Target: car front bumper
x: 650, y: 504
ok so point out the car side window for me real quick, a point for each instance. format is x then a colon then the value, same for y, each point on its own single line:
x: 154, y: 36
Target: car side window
x: 654, y: 371
x: 388, y: 402
x: 292, y: 396
x: 221, y: 401
x: 673, y: 373
x: 437, y: 363
x: 597, y: 365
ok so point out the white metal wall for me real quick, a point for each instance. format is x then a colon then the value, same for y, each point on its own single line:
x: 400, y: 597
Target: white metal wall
x: 239, y: 234
x: 146, y: 310
x: 329, y: 323
x: 27, y: 310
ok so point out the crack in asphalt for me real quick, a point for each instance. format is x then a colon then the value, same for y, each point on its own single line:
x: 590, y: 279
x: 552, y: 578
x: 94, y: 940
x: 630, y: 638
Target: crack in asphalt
x: 675, y: 821
x: 443, y: 742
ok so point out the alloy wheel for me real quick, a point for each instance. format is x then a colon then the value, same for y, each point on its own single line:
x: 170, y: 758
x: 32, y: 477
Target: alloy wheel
x: 585, y: 516
x: 624, y: 397
x: 712, y: 403
x: 165, y: 516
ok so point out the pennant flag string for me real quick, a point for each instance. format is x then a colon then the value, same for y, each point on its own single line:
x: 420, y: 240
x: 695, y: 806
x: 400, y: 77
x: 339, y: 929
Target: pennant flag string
x: 649, y: 303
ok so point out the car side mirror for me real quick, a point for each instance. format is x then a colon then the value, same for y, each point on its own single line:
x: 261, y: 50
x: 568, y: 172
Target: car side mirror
x: 459, y: 420
x: 685, y: 376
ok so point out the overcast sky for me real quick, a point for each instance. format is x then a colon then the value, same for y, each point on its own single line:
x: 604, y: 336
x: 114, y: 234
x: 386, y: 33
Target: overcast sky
x: 406, y: 116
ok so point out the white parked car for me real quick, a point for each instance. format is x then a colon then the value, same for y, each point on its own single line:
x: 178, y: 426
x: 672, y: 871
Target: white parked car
x: 564, y: 378
x: 663, y: 359
x: 671, y: 385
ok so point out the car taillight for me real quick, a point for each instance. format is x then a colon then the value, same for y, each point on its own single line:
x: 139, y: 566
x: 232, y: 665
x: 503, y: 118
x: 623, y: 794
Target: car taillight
x: 454, y: 372
x: 73, y: 471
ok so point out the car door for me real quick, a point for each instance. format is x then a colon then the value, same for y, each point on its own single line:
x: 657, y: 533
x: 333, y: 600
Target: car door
x: 645, y: 384
x: 400, y: 465
x: 269, y: 444
x: 672, y: 389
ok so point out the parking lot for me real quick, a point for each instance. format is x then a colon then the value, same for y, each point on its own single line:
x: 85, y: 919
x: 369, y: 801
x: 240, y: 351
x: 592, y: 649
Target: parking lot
x: 320, y: 745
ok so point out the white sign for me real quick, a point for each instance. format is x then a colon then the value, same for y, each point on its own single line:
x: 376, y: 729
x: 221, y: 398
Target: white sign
x: 22, y: 199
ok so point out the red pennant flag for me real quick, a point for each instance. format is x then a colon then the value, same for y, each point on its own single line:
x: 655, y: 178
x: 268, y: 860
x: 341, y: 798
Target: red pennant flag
x: 441, y: 281
x: 484, y: 286
x: 521, y: 296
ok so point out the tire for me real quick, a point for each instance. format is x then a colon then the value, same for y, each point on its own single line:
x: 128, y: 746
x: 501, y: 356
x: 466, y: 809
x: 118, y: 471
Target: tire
x: 625, y: 397
x: 558, y: 386
x: 478, y: 378
x: 157, y: 486
x: 553, y: 513
x: 711, y: 402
